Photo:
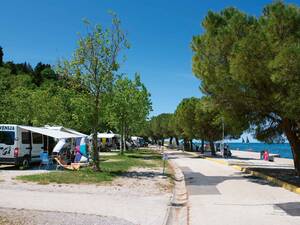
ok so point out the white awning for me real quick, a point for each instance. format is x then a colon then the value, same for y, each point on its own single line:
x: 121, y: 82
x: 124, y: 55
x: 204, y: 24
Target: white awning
x: 68, y: 130
x: 74, y: 132
x: 107, y: 135
x: 51, y: 133
x: 136, y: 138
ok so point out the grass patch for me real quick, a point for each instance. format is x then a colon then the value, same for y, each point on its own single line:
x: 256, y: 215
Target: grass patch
x: 111, y: 166
x: 144, y: 154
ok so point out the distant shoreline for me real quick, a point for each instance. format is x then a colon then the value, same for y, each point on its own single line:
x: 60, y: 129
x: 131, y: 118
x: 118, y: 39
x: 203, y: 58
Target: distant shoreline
x: 284, y: 150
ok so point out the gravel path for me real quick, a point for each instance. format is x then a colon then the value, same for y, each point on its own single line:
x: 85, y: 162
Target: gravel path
x: 141, y: 197
x: 34, y: 217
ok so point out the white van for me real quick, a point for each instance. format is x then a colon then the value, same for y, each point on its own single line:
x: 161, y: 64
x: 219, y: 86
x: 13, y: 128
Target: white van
x: 19, y: 146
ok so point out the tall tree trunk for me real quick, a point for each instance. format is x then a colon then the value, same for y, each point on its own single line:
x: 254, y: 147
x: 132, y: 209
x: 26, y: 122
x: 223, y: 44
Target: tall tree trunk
x: 177, y: 141
x: 191, y: 145
x: 122, y: 140
x: 212, y: 148
x: 202, y: 146
x: 162, y: 142
x: 291, y: 131
x: 170, y: 142
x: 185, y: 144
x: 127, y: 137
x: 96, y: 165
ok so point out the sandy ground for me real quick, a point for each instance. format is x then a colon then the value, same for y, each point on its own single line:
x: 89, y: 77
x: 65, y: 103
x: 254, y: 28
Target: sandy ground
x: 140, y: 197
x: 29, y: 217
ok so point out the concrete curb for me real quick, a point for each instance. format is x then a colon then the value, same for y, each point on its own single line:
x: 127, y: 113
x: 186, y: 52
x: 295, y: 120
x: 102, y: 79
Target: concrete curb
x: 177, y: 213
x: 280, y: 183
x: 273, y: 180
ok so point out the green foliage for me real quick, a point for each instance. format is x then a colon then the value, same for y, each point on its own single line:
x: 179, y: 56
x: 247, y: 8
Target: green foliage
x: 82, y: 93
x: 185, y: 118
x: 161, y: 126
x: 53, y: 102
x: 95, y: 63
x: 209, y: 121
x: 250, y: 67
x: 129, y: 106
x: 41, y: 72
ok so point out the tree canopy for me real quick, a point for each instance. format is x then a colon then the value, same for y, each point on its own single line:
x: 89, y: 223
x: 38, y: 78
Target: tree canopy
x: 250, y: 67
x: 84, y: 93
x: 52, y: 102
x: 129, y: 106
x: 185, y: 118
x: 95, y: 63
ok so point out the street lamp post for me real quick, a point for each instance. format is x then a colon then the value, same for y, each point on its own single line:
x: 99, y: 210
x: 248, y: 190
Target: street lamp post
x: 223, y: 128
x: 222, y: 147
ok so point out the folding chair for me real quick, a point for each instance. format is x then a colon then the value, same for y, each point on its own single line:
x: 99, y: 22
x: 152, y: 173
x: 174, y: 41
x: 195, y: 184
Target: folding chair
x: 44, y: 160
x: 73, y: 166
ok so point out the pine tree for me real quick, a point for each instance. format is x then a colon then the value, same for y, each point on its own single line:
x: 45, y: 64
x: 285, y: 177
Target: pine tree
x: 1, y: 56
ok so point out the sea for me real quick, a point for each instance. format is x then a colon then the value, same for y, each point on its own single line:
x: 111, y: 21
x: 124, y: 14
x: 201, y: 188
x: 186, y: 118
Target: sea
x: 284, y: 150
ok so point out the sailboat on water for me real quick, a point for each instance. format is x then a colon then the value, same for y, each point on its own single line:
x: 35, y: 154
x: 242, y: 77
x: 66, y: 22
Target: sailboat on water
x: 243, y: 141
x: 247, y: 141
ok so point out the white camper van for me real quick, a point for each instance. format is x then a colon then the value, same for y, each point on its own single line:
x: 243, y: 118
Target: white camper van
x: 19, y: 146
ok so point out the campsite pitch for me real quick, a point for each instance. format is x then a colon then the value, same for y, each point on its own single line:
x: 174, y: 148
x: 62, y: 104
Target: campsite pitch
x: 112, y: 166
x: 132, y: 183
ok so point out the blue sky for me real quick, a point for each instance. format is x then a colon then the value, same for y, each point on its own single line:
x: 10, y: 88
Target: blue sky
x: 159, y: 31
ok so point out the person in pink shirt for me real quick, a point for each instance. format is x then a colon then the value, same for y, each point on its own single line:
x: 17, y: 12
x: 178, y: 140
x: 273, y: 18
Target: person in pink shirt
x: 266, y: 155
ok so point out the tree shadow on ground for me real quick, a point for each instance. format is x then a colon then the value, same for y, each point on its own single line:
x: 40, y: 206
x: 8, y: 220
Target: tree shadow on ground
x: 9, y: 168
x: 145, y: 157
x: 140, y: 174
x: 218, y: 156
x: 290, y: 208
x: 200, y: 184
x: 243, y: 158
x: 174, y: 155
x: 259, y: 180
x: 283, y: 174
x: 199, y: 179
x: 33, y: 166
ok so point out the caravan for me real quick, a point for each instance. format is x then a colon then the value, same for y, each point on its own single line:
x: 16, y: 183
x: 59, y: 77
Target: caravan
x: 19, y: 146
x: 22, y: 145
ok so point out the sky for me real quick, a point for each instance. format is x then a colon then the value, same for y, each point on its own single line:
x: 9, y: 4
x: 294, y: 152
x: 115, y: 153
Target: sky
x: 159, y: 32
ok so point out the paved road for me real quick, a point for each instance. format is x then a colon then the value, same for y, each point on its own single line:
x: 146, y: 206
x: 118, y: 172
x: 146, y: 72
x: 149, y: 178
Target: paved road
x: 219, y: 194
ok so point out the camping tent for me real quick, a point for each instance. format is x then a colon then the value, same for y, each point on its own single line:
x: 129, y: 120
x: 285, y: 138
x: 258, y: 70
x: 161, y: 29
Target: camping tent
x: 107, y: 139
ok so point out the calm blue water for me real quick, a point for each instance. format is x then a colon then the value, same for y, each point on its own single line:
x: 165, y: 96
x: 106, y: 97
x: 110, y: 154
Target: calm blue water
x: 284, y: 150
